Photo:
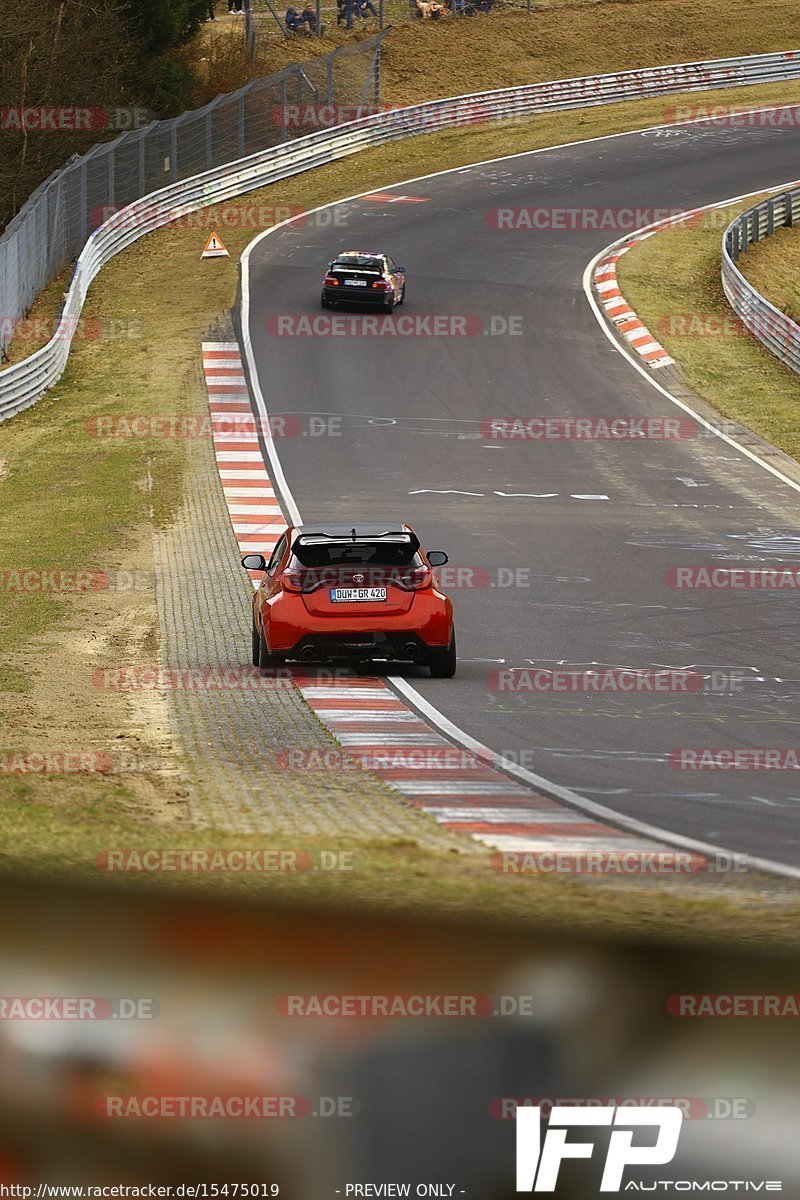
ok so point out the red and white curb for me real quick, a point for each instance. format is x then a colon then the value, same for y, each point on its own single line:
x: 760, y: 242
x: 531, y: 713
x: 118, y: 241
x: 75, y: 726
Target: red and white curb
x: 255, y: 513
x: 463, y: 791
x: 377, y: 730
x: 620, y: 313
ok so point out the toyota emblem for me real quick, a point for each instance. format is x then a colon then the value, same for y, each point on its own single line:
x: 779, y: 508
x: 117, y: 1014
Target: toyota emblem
x: 358, y: 579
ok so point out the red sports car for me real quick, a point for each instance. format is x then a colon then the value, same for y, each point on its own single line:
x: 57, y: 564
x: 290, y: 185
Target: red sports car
x: 354, y: 593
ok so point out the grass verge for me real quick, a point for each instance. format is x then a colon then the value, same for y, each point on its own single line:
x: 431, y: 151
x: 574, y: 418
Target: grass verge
x: 672, y: 280
x: 773, y: 267
x: 72, y: 500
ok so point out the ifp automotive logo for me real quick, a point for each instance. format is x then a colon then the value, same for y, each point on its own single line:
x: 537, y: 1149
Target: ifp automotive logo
x: 538, y: 1162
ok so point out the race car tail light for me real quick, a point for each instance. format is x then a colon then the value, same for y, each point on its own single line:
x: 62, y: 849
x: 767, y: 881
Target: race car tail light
x: 416, y: 578
x: 331, y: 281
x: 382, y: 285
x: 296, y: 581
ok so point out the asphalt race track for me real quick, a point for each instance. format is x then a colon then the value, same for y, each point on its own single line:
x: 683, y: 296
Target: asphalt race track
x: 572, y: 539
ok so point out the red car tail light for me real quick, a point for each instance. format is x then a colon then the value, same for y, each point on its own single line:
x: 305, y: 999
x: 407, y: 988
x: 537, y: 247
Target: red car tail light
x: 414, y: 579
x: 382, y: 285
x: 295, y: 581
x: 331, y: 281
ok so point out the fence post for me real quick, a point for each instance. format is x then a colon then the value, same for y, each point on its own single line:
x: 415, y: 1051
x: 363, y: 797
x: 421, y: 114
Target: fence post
x: 84, y: 221
x: 282, y: 103
x: 141, y: 165
x: 789, y: 218
x: 770, y: 216
x: 111, y: 178
x: 319, y: 19
x: 330, y: 79
x: 240, y: 123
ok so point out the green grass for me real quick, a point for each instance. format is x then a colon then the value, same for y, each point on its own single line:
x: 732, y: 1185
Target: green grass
x: 773, y: 267
x: 676, y: 273
x: 390, y: 875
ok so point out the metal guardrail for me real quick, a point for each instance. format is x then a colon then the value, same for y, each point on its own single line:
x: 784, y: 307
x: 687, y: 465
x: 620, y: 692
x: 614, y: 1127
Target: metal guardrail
x: 22, y: 384
x: 779, y: 333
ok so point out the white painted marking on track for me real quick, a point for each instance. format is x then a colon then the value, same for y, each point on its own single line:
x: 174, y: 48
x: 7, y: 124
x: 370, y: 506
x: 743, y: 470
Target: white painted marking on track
x: 531, y: 495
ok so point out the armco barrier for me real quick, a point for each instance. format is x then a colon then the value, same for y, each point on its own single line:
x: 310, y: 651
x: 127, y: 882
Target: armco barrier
x: 22, y: 384
x: 779, y: 333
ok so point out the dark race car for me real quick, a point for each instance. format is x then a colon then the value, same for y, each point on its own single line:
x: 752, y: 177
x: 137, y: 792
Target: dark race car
x: 354, y: 593
x: 358, y: 277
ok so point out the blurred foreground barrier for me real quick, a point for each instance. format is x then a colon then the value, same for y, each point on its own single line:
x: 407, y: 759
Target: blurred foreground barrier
x: 174, y: 1038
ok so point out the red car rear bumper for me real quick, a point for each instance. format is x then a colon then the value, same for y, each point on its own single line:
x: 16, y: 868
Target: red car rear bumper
x: 289, y: 626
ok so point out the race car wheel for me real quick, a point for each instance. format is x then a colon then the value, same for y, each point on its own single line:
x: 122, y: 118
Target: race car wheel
x: 256, y: 644
x: 443, y: 664
x: 265, y: 659
x: 391, y: 300
x: 402, y: 299
x: 325, y: 302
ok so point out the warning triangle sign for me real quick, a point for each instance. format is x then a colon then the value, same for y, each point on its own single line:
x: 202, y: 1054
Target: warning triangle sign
x: 215, y: 248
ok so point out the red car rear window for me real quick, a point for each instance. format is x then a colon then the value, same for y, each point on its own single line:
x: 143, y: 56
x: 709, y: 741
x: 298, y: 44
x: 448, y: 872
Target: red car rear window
x: 359, y: 553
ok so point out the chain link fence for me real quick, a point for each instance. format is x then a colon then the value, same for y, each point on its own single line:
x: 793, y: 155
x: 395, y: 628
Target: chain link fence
x: 266, y: 19
x: 51, y: 228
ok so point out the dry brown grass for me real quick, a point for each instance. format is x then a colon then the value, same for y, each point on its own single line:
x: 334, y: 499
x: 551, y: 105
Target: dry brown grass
x: 448, y: 57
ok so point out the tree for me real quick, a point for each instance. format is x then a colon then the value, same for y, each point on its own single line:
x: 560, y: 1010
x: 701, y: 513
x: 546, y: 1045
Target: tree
x: 162, y: 25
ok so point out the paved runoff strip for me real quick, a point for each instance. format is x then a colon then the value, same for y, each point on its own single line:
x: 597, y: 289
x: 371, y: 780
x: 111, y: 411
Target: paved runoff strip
x: 620, y: 313
x: 464, y: 791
